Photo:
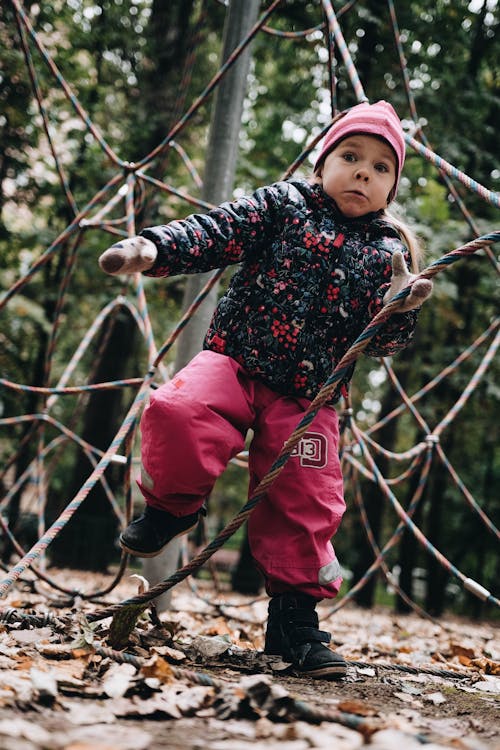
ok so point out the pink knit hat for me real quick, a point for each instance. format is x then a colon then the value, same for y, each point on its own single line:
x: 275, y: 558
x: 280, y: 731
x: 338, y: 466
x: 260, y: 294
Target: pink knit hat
x: 373, y: 119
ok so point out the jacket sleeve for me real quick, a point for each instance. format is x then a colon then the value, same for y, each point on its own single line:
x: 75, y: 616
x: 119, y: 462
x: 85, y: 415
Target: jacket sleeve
x: 232, y: 232
x: 397, y: 332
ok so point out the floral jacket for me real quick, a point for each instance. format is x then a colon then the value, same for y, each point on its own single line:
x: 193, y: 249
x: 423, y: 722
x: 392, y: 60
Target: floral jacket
x: 309, y: 282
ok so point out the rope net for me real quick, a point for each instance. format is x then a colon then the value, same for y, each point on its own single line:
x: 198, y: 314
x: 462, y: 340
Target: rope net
x: 114, y: 209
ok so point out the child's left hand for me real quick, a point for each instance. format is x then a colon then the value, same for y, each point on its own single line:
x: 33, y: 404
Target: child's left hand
x: 401, y: 277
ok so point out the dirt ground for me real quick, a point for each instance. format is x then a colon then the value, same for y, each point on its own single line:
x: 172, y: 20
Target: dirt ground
x: 410, y: 681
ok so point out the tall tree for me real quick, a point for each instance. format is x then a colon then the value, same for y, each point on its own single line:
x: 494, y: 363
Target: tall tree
x: 159, y: 77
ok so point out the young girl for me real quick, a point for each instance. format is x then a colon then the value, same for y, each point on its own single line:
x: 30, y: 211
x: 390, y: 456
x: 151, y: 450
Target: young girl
x: 318, y: 260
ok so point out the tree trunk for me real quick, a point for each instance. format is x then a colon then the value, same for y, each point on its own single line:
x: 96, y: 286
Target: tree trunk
x: 436, y: 576
x: 408, y: 551
x: 88, y: 540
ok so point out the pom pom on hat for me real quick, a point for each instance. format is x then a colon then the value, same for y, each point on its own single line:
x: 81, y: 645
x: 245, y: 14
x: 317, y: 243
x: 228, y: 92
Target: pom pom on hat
x: 378, y: 119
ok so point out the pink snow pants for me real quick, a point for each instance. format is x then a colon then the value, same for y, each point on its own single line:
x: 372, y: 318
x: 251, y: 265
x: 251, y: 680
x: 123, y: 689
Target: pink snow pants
x: 198, y: 421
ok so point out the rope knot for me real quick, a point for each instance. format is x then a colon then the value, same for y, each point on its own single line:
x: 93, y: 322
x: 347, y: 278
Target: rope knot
x: 432, y: 439
x: 347, y: 412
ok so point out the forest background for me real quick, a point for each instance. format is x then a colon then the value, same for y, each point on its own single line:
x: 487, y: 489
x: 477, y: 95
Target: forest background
x: 126, y: 60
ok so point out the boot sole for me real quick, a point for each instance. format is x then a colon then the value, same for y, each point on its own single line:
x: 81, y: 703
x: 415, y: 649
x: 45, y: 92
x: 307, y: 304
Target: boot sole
x: 325, y: 673
x: 142, y: 553
x: 331, y: 671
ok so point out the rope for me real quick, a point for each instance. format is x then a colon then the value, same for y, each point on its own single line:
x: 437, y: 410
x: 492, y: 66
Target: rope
x: 182, y: 122
x: 469, y: 584
x: 445, y: 166
x: 413, y: 110
x: 22, y: 17
x: 323, y: 396
x: 73, y: 506
x: 55, y: 246
x: 447, y: 673
x: 202, y: 678
x: 448, y: 370
x: 391, y: 542
x: 377, y: 552
x: 335, y: 30
x: 37, y: 91
x: 135, y: 176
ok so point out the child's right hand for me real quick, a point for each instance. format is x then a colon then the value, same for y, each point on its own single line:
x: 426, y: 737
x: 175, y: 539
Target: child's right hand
x: 132, y: 255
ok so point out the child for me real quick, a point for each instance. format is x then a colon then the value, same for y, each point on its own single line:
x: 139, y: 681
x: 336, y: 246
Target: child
x: 318, y: 259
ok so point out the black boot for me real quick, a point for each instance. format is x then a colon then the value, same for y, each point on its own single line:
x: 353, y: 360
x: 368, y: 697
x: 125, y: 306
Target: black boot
x: 293, y: 633
x: 149, y: 534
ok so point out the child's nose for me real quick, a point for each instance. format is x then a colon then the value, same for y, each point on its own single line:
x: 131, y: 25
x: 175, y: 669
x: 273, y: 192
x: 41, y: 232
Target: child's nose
x: 362, y: 174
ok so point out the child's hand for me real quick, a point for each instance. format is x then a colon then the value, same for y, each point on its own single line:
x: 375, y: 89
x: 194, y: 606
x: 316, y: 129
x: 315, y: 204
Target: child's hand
x: 129, y: 256
x: 401, y: 277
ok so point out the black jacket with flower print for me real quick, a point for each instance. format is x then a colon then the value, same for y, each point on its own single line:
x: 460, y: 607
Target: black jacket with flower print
x: 309, y: 282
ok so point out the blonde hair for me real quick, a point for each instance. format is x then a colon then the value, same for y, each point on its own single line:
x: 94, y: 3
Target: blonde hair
x: 409, y: 238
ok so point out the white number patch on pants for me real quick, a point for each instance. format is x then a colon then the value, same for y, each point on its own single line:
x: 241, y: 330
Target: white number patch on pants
x: 312, y: 450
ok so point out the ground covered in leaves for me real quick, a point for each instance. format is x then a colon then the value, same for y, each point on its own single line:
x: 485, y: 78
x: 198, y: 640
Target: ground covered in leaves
x: 196, y: 678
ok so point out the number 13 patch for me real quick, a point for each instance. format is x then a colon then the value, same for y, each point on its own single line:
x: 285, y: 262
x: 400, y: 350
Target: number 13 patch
x: 312, y: 450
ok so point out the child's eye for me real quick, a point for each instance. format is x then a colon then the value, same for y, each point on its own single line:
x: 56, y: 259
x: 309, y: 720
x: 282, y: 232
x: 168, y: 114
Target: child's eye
x: 382, y: 167
x: 349, y: 156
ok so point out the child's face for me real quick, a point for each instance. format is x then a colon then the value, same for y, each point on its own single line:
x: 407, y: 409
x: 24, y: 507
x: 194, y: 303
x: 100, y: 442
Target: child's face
x: 359, y: 174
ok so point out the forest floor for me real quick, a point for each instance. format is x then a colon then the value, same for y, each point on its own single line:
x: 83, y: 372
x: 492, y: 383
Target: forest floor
x: 61, y: 690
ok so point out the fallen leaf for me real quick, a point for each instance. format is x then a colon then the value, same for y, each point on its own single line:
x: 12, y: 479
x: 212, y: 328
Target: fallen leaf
x: 458, y: 650
x: 357, y: 707
x: 143, y: 583
x: 406, y: 698
x: 487, y: 665
x: 69, y: 671
x: 164, y: 703
x: 23, y: 729
x: 488, y: 684
x: 24, y: 662
x: 173, y: 654
x: 118, y: 679
x: 219, y: 627
x: 211, y: 647
x: 44, y: 683
x: 328, y: 736
x: 394, y: 739
x: 80, y: 713
x: 191, y: 699
x: 367, y: 671
x: 158, y: 668
x: 435, y: 698
x: 31, y: 636
x: 16, y: 687
x: 106, y: 737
